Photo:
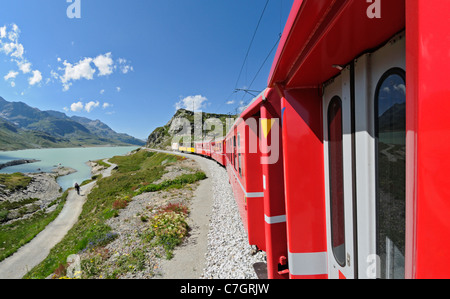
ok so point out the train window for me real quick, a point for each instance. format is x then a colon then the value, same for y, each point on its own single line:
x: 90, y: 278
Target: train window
x: 239, y: 153
x: 335, y: 151
x: 234, y: 152
x: 390, y: 124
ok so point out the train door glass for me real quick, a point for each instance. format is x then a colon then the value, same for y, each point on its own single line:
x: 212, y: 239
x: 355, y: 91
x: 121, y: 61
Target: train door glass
x: 380, y: 106
x: 390, y: 125
x: 338, y: 172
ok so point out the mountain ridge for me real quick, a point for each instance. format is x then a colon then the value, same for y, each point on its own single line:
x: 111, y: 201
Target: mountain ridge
x: 24, y: 127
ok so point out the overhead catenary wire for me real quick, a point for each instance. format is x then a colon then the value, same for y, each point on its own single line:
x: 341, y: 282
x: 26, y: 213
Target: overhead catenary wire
x: 259, y: 70
x: 251, y: 43
x: 241, y: 102
x: 248, y: 52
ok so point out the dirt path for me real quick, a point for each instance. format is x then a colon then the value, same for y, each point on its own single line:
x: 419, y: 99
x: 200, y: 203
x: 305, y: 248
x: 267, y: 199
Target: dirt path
x: 31, y: 254
x: 189, y: 258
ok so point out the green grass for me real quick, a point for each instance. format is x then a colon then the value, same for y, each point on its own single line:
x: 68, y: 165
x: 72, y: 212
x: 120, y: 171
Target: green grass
x: 17, y: 234
x: 91, y: 230
x: 15, y: 181
x: 178, y: 182
x: 103, y: 163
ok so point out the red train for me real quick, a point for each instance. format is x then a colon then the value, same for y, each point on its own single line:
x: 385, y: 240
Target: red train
x: 340, y: 167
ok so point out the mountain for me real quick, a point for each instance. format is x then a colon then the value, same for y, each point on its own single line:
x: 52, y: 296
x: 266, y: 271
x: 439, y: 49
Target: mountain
x: 101, y: 129
x: 183, y: 124
x: 393, y: 119
x: 22, y: 126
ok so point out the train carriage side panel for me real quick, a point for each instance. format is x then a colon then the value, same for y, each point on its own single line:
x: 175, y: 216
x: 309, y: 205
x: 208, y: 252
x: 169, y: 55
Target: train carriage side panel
x: 236, y: 185
x: 305, y: 198
x: 217, y: 151
x: 273, y: 185
x: 251, y: 171
x: 244, y: 171
x: 427, y: 143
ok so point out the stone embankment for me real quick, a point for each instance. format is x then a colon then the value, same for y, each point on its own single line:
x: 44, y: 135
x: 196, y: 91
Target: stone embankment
x: 43, y: 188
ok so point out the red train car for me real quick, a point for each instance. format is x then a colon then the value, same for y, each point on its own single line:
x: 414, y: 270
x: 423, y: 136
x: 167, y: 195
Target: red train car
x: 218, y: 151
x: 357, y: 100
x: 245, y: 175
x: 203, y: 148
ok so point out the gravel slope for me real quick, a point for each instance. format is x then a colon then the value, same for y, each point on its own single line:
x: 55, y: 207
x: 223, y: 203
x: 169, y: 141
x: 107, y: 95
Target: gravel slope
x: 228, y: 256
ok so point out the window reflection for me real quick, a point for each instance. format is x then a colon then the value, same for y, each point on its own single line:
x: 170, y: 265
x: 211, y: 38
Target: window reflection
x: 335, y: 151
x: 391, y: 151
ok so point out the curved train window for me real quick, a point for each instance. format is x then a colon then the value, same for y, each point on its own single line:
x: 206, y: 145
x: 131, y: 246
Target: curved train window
x: 234, y: 152
x: 335, y: 152
x: 239, y: 153
x: 390, y: 124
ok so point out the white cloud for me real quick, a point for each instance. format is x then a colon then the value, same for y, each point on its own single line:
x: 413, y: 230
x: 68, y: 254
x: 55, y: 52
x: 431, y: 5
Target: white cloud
x: 102, y: 91
x: 15, y: 50
x: 104, y: 63
x: 13, y: 84
x: 192, y: 102
x: 230, y: 102
x: 91, y: 105
x: 87, y: 67
x: 36, y: 78
x: 118, y: 89
x: 7, y: 48
x: 14, y: 34
x: 80, y: 70
x: 25, y: 67
x: 18, y: 53
x: 75, y: 107
x: 11, y: 75
x: 124, y: 66
x: 3, y: 32
x: 88, y: 107
x: 400, y: 87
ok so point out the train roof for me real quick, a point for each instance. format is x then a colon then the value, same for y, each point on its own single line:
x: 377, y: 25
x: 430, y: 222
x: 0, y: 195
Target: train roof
x: 321, y: 36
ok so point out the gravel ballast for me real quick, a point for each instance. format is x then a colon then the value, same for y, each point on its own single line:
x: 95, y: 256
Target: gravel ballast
x: 228, y: 256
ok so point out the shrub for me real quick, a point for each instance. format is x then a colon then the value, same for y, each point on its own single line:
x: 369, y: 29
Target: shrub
x: 177, y: 208
x: 168, y: 230
x: 3, y: 215
x: 120, y: 204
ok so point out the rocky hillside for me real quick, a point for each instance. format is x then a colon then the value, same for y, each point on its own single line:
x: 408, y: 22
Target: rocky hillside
x: 22, y: 126
x: 186, y: 123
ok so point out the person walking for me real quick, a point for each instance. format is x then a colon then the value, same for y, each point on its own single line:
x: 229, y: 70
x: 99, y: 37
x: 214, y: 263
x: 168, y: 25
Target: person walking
x: 77, y: 187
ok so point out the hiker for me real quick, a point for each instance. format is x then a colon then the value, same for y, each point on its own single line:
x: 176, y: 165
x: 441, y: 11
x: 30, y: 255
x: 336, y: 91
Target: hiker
x: 77, y: 187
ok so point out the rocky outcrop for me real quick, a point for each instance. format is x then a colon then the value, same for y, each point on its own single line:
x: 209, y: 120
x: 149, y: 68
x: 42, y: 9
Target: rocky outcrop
x: 17, y: 162
x: 40, y: 193
x: 186, y: 123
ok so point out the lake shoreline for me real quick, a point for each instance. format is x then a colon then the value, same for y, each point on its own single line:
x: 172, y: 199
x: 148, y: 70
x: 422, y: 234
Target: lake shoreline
x: 72, y: 147
x: 76, y: 158
x: 18, y: 162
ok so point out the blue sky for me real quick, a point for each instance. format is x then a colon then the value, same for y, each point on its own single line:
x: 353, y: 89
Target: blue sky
x: 132, y: 63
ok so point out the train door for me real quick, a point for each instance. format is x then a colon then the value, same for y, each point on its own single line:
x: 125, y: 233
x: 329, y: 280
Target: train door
x: 380, y: 155
x: 364, y: 149
x: 339, y: 177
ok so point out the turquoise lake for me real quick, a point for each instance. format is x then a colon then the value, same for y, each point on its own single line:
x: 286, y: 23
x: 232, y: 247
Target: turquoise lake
x: 75, y: 158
